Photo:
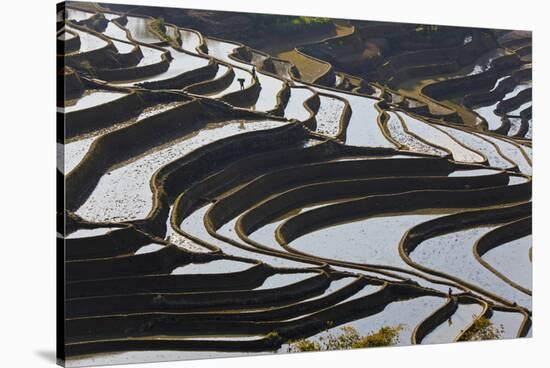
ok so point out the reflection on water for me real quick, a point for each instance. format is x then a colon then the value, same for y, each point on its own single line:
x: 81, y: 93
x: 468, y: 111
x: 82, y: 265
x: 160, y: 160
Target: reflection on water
x: 124, y: 194
x: 512, y: 260
x: 452, y: 253
x: 363, y: 129
x: 93, y: 98
x: 123, y: 47
x: 510, y: 323
x: 88, y: 41
x: 329, y: 115
x: 479, y: 145
x: 478, y: 172
x: 180, y: 63
x: 218, y: 266
x: 76, y: 15
x: 435, y: 136
x: 115, y: 31
x: 397, y: 131
x: 85, y: 233
x: 280, y: 280
x: 362, y: 241
x: 194, y: 226
x: 235, y: 85
x: 77, y: 149
x: 295, y: 108
x: 140, y: 31
x: 455, y: 325
x: 189, y: 40
x: 270, y: 87
x: 406, y: 314
x: 65, y: 36
x: 150, y: 248
x: 488, y: 113
x: 150, y: 56
x: 512, y: 152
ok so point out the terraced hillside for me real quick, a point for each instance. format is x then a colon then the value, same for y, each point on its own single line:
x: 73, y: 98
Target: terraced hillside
x: 220, y: 200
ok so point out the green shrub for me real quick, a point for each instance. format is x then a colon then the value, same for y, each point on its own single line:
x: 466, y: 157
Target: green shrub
x: 306, y: 345
x: 483, y: 329
x: 157, y: 26
x: 349, y: 339
x: 287, y: 24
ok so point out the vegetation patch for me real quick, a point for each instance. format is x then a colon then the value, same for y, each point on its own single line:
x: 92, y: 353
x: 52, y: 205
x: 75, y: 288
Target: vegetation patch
x: 157, y: 26
x: 288, y: 24
x: 483, y: 329
x: 349, y: 339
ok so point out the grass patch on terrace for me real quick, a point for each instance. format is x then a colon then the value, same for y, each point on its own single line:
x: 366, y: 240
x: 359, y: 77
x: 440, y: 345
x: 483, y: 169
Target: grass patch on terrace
x: 289, y: 24
x: 157, y: 26
x: 86, y: 68
x: 349, y: 339
x: 483, y: 329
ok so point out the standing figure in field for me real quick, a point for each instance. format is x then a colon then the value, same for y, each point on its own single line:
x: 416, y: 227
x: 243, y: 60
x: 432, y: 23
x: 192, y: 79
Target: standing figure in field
x: 241, y: 82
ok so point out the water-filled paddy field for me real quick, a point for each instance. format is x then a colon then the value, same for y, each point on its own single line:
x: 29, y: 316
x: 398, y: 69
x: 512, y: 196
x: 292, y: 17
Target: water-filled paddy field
x: 224, y: 201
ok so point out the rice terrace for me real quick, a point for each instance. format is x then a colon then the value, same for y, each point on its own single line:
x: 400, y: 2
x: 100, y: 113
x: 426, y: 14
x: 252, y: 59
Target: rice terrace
x: 240, y: 183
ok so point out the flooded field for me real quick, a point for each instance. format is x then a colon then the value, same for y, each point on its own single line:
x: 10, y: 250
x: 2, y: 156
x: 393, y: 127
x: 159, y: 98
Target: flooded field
x: 295, y: 108
x: 413, y: 143
x: 123, y: 194
x: 88, y: 41
x: 93, y: 98
x: 227, y: 201
x: 76, y: 149
x: 329, y: 116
